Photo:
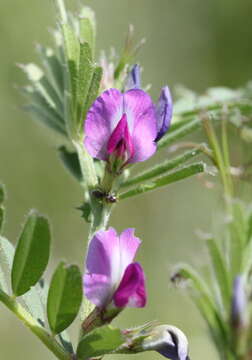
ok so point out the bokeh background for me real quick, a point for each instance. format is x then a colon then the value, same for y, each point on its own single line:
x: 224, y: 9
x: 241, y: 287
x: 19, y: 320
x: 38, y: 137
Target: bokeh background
x: 192, y: 42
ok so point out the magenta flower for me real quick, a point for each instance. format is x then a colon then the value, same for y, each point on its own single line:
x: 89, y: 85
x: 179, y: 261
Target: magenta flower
x: 121, y: 127
x: 111, y: 277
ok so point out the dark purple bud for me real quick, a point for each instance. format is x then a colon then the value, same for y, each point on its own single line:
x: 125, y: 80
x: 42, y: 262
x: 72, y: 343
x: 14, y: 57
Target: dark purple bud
x: 169, y: 341
x: 164, y: 110
x: 239, y: 303
x: 134, y: 78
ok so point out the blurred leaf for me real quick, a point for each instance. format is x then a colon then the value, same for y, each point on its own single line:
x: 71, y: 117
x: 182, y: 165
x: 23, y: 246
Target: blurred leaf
x: 203, y: 300
x: 249, y: 227
x: 2, y: 218
x: 32, y: 253
x: 174, y: 176
x: 94, y: 88
x: 71, y: 162
x: 221, y: 272
x: 64, y: 297
x: 238, y: 231
x: 41, y: 84
x: 87, y: 33
x: 6, y: 259
x: 2, y: 194
x: 99, y: 342
x: 53, y: 68
x: 46, y: 117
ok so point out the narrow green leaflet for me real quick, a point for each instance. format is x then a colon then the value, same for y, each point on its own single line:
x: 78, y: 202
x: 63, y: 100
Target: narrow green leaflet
x: 32, y: 254
x: 87, y: 33
x: 221, y: 272
x: 162, y: 168
x: 64, y: 297
x: 94, y: 88
x: 53, y: 68
x: 178, y: 133
x: 85, y: 76
x: 174, y: 176
x: 72, y: 49
x: 99, y: 342
x: 6, y: 260
x: 71, y: 163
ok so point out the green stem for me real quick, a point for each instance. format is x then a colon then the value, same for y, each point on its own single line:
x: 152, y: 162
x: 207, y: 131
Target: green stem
x: 180, y: 174
x: 32, y: 324
x: 226, y: 159
x: 87, y: 166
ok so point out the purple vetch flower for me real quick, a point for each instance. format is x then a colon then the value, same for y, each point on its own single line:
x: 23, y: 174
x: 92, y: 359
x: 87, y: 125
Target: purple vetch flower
x: 164, y: 109
x: 111, y: 277
x: 169, y: 341
x: 239, y: 302
x: 121, y: 127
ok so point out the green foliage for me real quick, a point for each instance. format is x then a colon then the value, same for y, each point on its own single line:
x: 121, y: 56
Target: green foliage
x: 71, y: 162
x: 221, y: 271
x: 99, y: 342
x: 2, y: 194
x: 164, y: 167
x: 2, y: 218
x: 64, y: 297
x: 32, y: 254
x: 6, y: 260
x: 184, y: 172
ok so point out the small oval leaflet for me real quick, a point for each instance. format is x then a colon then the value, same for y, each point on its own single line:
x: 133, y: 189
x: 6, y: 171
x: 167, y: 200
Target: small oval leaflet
x: 32, y: 254
x: 64, y: 297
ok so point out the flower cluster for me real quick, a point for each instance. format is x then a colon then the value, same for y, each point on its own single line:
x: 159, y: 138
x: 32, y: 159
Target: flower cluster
x: 122, y: 128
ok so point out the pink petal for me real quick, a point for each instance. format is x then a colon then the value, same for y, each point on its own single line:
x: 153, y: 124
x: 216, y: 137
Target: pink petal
x: 107, y: 258
x: 120, y: 142
x: 142, y: 123
x: 131, y: 291
x: 129, y: 245
x: 102, y: 259
x: 102, y: 118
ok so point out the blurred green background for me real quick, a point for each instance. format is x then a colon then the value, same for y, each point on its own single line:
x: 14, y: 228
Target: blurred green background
x: 192, y: 42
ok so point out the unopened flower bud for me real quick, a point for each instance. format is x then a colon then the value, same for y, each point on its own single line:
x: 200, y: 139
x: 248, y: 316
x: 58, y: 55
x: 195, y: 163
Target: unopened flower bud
x: 169, y: 341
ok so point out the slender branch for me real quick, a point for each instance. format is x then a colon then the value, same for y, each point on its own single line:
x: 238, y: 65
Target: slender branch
x: 181, y: 174
x: 33, y: 325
